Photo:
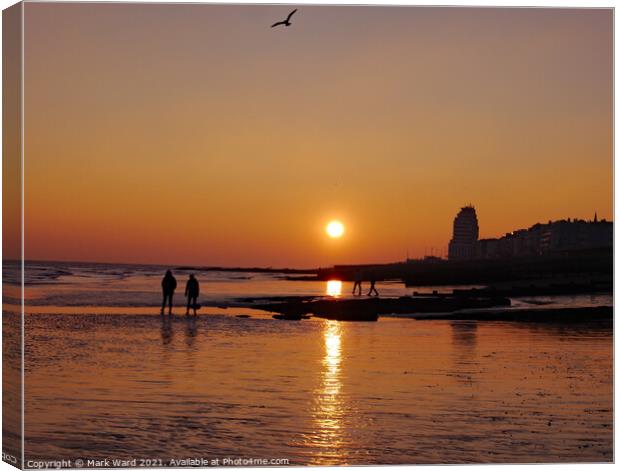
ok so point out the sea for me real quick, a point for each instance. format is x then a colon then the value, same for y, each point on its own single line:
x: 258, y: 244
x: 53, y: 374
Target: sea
x: 107, y: 378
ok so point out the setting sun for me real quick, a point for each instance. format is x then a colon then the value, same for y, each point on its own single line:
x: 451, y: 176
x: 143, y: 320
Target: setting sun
x: 335, y: 229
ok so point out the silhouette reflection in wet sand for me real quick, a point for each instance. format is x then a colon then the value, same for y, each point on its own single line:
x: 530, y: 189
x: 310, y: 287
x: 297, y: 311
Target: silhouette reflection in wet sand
x: 166, y: 330
x: 464, y: 335
x: 190, y: 328
x: 191, y: 331
x: 464, y: 338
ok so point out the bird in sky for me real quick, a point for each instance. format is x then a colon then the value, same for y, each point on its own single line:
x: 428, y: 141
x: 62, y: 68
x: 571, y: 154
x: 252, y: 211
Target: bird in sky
x: 286, y: 22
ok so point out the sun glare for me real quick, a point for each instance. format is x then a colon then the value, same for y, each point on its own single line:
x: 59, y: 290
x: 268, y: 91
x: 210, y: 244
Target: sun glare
x: 335, y: 229
x: 334, y: 288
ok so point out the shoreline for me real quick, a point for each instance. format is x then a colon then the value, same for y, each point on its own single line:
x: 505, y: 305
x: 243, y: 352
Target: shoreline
x: 533, y: 315
x: 536, y: 314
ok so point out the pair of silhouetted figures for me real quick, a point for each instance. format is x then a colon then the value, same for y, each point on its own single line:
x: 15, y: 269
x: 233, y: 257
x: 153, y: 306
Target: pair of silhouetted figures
x: 192, y: 290
x: 357, y: 285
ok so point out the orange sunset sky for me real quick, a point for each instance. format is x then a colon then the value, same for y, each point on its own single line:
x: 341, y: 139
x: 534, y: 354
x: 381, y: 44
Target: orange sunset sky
x: 198, y: 134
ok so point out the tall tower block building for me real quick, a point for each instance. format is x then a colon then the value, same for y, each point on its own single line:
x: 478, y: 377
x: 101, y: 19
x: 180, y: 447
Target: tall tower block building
x: 464, y: 235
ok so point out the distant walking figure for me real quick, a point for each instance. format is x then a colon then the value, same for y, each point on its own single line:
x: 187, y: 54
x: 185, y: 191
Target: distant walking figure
x: 168, y: 285
x: 286, y: 22
x: 373, y: 280
x: 192, y: 290
x: 358, y: 282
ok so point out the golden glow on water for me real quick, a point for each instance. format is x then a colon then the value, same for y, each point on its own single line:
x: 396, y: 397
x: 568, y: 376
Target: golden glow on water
x: 332, y: 359
x: 329, y: 411
x: 390, y: 392
x: 334, y: 288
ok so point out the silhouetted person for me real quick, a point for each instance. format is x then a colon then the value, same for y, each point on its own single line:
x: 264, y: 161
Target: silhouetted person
x: 373, y: 280
x: 168, y: 285
x: 192, y: 290
x: 358, y: 282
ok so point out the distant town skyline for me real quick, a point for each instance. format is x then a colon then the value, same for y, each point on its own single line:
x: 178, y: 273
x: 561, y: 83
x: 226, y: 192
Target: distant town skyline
x: 540, y: 238
x: 197, y: 134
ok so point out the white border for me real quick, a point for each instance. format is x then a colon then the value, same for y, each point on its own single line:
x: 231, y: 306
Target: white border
x: 497, y: 3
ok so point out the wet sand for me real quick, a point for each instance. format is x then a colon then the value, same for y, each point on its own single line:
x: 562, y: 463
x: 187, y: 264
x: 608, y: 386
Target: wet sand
x: 317, y: 392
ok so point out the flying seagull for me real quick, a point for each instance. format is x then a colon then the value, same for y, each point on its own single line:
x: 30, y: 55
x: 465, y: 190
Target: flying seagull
x: 286, y: 22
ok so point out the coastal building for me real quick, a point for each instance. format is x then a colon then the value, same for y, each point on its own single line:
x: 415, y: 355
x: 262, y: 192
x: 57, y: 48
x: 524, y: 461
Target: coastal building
x: 575, y: 235
x: 464, y: 235
x: 552, y: 237
x: 487, y: 248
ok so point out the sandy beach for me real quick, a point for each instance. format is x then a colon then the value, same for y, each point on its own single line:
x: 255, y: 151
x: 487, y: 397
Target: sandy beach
x: 317, y: 392
x: 109, y: 378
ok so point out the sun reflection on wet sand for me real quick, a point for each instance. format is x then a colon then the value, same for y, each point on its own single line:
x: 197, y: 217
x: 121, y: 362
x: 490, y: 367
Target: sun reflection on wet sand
x: 329, y: 410
x: 391, y: 392
x: 334, y: 288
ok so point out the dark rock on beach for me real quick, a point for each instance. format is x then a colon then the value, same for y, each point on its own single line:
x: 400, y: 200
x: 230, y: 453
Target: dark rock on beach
x: 370, y: 309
